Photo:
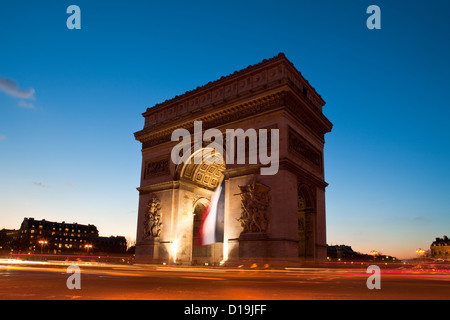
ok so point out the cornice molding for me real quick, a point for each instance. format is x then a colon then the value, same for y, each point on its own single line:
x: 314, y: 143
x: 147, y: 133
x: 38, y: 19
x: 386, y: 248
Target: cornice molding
x: 150, y: 138
x: 305, y: 176
x: 283, y: 100
x: 147, y: 189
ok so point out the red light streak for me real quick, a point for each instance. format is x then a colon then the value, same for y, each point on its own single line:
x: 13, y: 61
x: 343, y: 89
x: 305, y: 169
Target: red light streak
x: 67, y: 256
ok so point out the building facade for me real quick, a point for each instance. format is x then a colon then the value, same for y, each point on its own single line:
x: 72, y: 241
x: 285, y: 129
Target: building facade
x: 42, y: 236
x: 440, y: 248
x: 275, y: 219
x: 8, y: 239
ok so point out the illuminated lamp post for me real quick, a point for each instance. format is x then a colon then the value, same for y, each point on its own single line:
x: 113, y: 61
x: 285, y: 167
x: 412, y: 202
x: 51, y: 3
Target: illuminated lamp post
x: 420, y: 252
x: 87, y: 247
x: 42, y: 242
x: 373, y: 253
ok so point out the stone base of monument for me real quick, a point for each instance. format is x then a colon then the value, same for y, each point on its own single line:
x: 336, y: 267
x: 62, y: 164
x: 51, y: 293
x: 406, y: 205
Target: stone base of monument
x: 259, y: 251
x: 151, y: 251
x: 253, y: 245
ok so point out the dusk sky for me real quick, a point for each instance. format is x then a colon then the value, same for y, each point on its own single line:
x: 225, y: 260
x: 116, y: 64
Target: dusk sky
x: 70, y: 101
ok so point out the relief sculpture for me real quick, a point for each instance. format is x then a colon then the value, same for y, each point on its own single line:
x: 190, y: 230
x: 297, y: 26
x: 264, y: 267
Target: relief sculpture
x: 152, y: 222
x: 254, y: 203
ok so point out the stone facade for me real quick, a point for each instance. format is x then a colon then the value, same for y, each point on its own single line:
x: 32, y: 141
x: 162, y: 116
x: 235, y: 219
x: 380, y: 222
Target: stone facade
x: 275, y: 219
x: 440, y: 248
x: 59, y: 237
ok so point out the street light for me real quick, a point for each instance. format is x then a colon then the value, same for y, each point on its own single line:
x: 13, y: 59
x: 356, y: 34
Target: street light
x: 87, y: 247
x: 42, y: 242
x: 373, y: 253
x: 420, y: 252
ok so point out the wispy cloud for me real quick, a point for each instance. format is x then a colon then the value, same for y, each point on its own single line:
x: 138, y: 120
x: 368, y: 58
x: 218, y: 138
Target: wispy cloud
x: 39, y: 184
x: 2, y: 137
x: 26, y: 105
x: 11, y: 87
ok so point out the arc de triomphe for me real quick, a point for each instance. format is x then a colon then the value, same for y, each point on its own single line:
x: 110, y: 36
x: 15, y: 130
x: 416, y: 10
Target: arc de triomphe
x: 270, y: 95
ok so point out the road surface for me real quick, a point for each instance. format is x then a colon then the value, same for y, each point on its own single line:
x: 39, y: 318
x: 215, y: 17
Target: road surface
x: 48, y: 281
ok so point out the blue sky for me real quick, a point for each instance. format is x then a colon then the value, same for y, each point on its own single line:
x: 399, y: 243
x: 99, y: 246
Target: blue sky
x: 72, y: 99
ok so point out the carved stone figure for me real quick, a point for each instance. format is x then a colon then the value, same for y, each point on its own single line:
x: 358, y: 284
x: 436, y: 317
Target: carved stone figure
x: 254, y: 203
x: 152, y: 222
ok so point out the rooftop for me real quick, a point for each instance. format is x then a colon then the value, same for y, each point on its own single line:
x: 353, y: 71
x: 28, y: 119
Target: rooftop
x: 233, y: 76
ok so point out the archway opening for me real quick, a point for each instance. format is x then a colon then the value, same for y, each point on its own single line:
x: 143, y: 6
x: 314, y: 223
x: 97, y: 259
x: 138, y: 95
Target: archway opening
x: 301, y: 224
x: 199, y: 250
x: 201, y: 181
x: 306, y: 214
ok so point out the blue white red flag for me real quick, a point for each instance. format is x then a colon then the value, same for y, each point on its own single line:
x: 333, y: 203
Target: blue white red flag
x: 211, y: 230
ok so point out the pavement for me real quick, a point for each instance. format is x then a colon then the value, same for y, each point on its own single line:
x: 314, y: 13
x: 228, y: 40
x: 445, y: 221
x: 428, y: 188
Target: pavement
x: 51, y: 280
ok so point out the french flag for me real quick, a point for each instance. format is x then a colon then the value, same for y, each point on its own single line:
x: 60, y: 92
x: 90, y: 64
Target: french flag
x: 211, y: 230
